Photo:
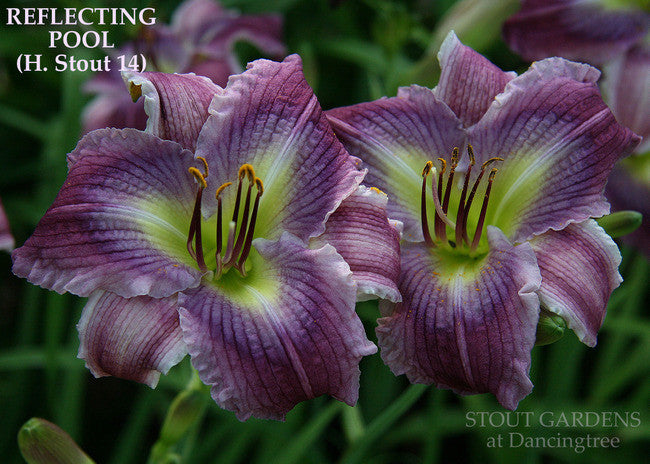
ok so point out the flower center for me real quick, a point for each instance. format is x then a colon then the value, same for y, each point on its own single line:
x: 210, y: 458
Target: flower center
x: 240, y: 229
x: 441, y: 201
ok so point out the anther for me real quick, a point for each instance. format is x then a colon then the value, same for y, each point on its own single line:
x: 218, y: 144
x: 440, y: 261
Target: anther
x: 195, y: 224
x: 221, y: 189
x: 248, y: 171
x: 206, y: 171
x: 198, y: 176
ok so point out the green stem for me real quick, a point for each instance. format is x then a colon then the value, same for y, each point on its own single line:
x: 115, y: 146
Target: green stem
x: 356, y: 451
x: 185, y: 411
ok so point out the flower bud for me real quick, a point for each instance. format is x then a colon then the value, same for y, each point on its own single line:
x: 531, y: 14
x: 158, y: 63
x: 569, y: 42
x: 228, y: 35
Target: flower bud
x: 620, y: 223
x: 42, y: 442
x: 184, y: 412
x: 550, y: 328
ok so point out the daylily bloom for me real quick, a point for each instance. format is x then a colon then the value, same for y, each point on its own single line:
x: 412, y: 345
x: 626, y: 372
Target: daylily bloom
x: 6, y: 239
x: 626, y: 87
x: 616, y: 39
x: 496, y: 178
x: 200, y: 39
x: 591, y: 31
x: 208, y: 252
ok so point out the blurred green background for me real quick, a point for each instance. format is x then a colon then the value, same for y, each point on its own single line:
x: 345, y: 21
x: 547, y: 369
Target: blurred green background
x: 353, y: 51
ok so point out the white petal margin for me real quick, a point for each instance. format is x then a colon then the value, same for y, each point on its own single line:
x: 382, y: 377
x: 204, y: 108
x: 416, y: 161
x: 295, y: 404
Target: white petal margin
x: 579, y: 266
x: 132, y: 338
x: 265, y: 348
x: 176, y: 104
x: 362, y: 234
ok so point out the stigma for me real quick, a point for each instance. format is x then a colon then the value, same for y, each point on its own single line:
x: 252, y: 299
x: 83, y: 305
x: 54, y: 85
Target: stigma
x: 241, y: 227
x: 441, y: 193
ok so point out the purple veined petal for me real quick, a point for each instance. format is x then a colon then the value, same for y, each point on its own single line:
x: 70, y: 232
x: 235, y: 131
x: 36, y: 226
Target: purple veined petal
x: 177, y: 104
x: 270, y: 118
x: 559, y: 141
x: 362, y: 234
x: 118, y: 223
x: 469, y: 333
x: 6, y: 239
x: 468, y: 81
x: 395, y: 137
x: 626, y: 86
x: 132, y: 338
x: 579, y: 267
x: 291, y: 336
x: 577, y: 30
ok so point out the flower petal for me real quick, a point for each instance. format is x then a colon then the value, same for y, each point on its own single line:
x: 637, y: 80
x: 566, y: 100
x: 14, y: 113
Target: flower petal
x: 579, y: 267
x: 369, y: 243
x: 131, y: 338
x: 395, y: 137
x: 214, y: 30
x: 468, y: 81
x: 6, y: 239
x: 177, y: 104
x: 270, y: 118
x: 468, y: 329
x: 118, y: 223
x: 573, y: 29
x: 287, y: 337
x: 559, y: 141
x: 627, y: 90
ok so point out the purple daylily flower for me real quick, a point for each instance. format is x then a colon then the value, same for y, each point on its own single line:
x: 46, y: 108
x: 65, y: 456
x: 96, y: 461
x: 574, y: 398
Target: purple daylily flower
x: 501, y: 246
x: 200, y: 39
x: 617, y: 40
x: 574, y: 29
x: 6, y: 239
x: 267, y: 319
x: 626, y: 87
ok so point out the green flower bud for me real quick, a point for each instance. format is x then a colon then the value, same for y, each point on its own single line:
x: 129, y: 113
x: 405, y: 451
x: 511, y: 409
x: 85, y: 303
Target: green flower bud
x: 550, y: 328
x: 42, y: 442
x: 185, y: 411
x: 620, y: 223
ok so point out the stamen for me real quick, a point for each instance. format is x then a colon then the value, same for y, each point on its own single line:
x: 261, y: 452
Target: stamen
x: 470, y: 199
x: 481, y: 219
x: 235, y: 215
x: 198, y: 176
x: 450, y: 180
x: 423, y: 205
x: 439, y: 226
x: 219, y: 227
x: 247, y: 170
x: 251, y: 228
x: 205, y: 165
x: 243, y: 226
x: 195, y: 224
x: 461, y: 217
